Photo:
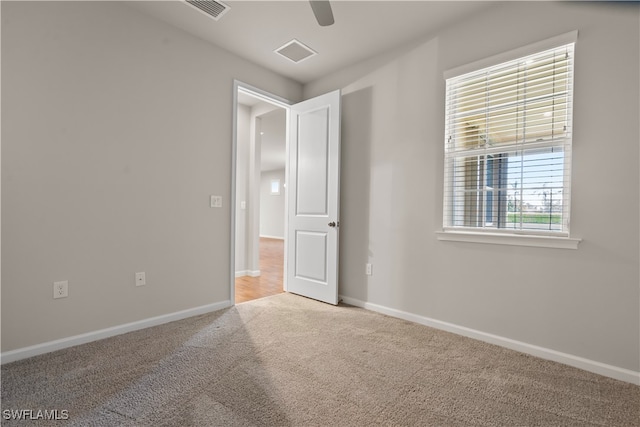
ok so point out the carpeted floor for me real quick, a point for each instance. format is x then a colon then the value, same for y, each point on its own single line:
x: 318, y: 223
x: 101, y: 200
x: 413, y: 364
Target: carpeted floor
x: 289, y: 361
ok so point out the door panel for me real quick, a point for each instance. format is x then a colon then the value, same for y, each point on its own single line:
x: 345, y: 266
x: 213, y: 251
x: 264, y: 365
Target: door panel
x: 313, y: 198
x: 311, y: 256
x: 312, y: 162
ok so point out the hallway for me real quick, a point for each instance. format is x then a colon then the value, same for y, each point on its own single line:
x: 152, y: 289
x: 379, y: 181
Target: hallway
x: 270, y: 281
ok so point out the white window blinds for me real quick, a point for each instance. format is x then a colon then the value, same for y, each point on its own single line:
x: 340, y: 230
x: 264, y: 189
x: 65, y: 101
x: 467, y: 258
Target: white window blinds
x: 508, y: 145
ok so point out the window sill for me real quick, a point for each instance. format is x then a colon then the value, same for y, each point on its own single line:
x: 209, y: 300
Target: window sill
x: 509, y: 239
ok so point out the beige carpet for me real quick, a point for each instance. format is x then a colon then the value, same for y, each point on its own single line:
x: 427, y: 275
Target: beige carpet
x: 289, y: 361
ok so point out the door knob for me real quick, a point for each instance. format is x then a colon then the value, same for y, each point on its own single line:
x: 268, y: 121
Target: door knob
x: 332, y: 224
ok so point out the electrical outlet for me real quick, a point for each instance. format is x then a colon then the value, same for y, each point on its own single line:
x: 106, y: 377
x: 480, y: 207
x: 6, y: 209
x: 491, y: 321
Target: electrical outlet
x: 141, y: 279
x: 60, y: 289
x: 369, y: 270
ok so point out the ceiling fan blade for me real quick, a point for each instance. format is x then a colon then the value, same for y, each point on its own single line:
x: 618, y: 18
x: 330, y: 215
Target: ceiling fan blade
x: 323, y: 12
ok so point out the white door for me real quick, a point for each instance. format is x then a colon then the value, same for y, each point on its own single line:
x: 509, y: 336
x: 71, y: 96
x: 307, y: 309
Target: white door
x: 313, y: 198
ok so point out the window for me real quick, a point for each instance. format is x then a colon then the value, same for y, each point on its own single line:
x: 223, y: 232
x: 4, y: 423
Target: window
x: 275, y: 187
x: 508, y: 146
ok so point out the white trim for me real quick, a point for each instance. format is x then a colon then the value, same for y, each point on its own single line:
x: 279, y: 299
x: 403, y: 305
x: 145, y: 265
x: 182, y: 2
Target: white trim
x: 47, y: 347
x: 251, y: 273
x: 272, y: 237
x: 265, y: 96
x: 234, y: 167
x: 550, y: 43
x: 537, y: 241
x: 610, y: 371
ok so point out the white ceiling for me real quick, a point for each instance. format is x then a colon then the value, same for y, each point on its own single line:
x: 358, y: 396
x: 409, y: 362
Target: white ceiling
x: 362, y: 29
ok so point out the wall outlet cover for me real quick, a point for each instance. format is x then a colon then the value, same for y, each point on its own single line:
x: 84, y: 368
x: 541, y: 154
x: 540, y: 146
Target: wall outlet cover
x: 141, y: 279
x: 60, y: 289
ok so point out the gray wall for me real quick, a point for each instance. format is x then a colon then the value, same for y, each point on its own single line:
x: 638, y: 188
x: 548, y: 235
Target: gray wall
x: 272, y: 206
x: 583, y: 302
x: 114, y: 134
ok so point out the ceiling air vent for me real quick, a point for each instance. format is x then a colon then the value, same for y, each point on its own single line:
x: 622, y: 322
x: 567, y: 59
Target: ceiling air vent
x: 296, y: 51
x: 213, y: 9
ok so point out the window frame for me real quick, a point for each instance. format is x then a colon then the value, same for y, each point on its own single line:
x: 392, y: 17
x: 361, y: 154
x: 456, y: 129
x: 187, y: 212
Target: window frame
x: 554, y: 239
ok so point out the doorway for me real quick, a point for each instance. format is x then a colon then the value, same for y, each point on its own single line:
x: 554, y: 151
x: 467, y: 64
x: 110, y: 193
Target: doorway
x: 260, y: 193
x: 311, y: 199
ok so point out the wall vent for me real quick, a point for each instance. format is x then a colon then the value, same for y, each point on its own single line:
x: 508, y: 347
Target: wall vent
x: 295, y: 51
x: 211, y: 8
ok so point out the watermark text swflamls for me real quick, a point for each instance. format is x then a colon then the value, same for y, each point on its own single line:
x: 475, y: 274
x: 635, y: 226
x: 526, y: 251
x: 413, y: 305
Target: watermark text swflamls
x: 35, y: 414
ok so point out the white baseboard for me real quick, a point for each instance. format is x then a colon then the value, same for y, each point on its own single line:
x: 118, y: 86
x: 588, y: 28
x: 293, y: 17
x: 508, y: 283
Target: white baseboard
x: 251, y: 273
x: 272, y: 237
x: 610, y: 371
x: 47, y: 347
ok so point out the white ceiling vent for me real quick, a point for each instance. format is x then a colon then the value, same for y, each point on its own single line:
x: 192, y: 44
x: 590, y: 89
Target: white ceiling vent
x: 211, y: 8
x: 296, y: 51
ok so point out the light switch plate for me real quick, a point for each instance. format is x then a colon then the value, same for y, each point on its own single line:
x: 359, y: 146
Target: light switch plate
x: 216, y: 201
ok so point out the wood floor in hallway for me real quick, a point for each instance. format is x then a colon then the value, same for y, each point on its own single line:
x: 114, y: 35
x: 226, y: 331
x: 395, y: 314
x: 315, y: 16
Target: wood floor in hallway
x: 271, y: 268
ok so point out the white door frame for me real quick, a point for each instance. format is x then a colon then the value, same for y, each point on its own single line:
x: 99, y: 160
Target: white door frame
x: 279, y: 102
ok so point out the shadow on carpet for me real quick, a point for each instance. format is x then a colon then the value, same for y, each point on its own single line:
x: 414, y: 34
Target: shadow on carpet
x: 289, y: 361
